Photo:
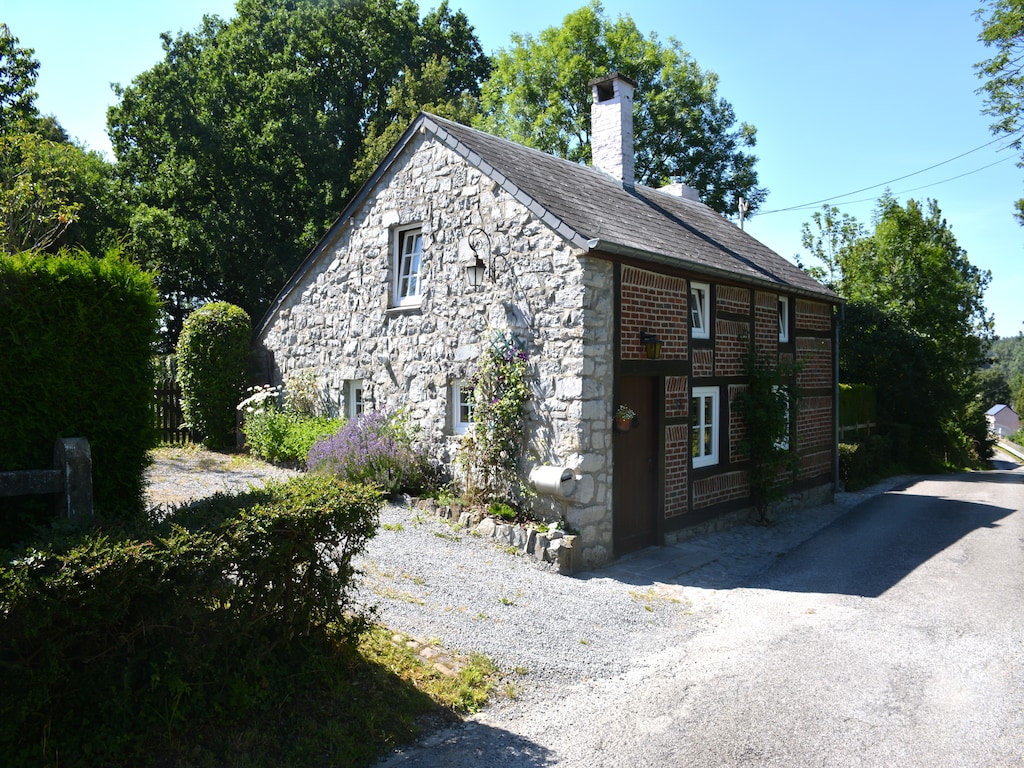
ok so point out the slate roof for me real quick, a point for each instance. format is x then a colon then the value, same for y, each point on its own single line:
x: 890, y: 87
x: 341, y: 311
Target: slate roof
x: 596, y: 213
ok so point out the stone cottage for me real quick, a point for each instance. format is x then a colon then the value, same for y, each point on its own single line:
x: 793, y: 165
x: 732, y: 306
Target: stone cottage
x: 620, y: 294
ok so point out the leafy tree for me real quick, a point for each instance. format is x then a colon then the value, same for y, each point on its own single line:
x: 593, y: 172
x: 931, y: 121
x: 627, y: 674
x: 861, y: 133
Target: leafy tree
x: 37, y: 204
x: 916, y: 327
x: 241, y: 144
x: 1003, y: 30
x: 18, y: 72
x: 994, y: 388
x: 53, y: 193
x: 538, y: 95
x: 835, y: 234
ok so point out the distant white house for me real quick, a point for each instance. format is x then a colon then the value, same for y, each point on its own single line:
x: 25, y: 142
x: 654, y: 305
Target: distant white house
x: 1002, y: 421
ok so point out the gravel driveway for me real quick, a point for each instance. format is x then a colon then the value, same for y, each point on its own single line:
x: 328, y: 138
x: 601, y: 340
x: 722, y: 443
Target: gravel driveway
x: 547, y: 632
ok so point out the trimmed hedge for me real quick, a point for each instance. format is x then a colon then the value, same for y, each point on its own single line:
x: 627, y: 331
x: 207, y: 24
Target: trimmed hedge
x: 76, y: 337
x: 111, y: 648
x: 212, y: 353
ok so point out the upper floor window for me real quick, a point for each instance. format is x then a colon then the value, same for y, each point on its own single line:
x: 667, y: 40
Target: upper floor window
x: 704, y: 426
x: 700, y: 310
x: 783, y: 319
x: 408, y: 262
x: 463, y: 406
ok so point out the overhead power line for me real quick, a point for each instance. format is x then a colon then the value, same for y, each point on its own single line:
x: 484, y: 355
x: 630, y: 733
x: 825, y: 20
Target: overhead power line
x: 814, y: 203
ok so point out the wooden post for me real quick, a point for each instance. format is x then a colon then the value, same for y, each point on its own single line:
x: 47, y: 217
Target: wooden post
x: 73, y: 459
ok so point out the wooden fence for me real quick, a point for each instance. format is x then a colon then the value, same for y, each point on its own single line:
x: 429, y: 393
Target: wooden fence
x: 170, y: 421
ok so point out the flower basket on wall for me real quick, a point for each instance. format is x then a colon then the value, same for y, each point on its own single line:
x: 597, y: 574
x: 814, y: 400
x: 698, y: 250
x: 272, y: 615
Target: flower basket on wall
x: 625, y: 417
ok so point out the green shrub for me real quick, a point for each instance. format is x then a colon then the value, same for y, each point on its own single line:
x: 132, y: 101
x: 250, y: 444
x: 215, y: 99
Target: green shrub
x: 281, y: 436
x: 112, y: 647
x: 76, y: 336
x: 212, y: 354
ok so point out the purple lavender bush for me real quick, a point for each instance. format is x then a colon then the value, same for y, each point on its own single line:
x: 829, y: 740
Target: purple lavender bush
x: 376, y: 448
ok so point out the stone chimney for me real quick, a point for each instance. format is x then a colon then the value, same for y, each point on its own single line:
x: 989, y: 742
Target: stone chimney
x: 611, y: 127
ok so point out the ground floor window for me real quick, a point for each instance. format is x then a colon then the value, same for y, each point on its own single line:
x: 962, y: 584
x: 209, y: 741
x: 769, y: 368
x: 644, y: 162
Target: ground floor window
x: 704, y: 426
x: 353, y: 398
x: 462, y: 407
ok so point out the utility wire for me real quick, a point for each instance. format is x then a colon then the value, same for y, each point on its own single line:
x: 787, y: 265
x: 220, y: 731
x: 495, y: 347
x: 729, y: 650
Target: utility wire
x: 891, y: 181
x: 895, y: 194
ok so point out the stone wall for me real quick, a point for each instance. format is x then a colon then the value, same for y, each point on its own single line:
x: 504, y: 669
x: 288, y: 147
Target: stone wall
x: 338, y: 321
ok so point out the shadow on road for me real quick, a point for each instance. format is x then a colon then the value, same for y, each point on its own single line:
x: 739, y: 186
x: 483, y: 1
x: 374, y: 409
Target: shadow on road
x: 472, y: 744
x: 864, y: 552
x: 877, y: 544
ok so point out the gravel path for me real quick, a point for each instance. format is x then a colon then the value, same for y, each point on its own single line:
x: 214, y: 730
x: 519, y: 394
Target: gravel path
x: 546, y: 631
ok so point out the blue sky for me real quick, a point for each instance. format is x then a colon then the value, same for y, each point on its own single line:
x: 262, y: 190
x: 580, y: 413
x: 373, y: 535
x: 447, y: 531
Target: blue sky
x: 845, y: 96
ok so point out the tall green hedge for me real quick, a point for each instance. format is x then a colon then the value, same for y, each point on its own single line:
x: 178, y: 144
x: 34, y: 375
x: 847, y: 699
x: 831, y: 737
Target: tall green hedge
x: 76, y: 337
x: 213, y: 352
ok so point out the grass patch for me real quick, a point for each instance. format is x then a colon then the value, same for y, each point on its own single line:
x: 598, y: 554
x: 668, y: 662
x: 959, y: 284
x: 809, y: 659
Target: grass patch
x: 338, y: 705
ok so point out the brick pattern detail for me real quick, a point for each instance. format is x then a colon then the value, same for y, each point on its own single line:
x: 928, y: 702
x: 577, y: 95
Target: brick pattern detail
x: 677, y: 397
x: 813, y: 315
x: 816, y: 356
x: 737, y: 429
x: 766, y: 324
x: 730, y: 346
x: 720, y: 488
x: 677, y: 459
x: 732, y: 299
x: 818, y: 464
x: 703, y: 363
x: 658, y: 303
x: 814, y: 424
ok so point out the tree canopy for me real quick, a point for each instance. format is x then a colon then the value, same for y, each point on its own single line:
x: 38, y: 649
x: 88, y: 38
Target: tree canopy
x: 53, y: 193
x: 1003, y: 73
x: 916, y: 327
x: 241, y: 144
x: 539, y: 95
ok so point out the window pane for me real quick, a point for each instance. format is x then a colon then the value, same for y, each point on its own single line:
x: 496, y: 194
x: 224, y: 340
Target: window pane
x: 410, y: 253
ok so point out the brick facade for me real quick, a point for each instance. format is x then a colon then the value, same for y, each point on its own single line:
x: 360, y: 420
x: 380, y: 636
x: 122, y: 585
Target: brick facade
x: 677, y: 462
x: 654, y: 303
x: 719, y: 489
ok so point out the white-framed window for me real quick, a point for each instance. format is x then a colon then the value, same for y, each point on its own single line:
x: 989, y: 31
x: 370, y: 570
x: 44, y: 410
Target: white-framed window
x: 704, y: 426
x: 700, y: 310
x: 408, y: 263
x: 783, y: 319
x: 463, y: 406
x: 353, y: 398
x: 783, y: 394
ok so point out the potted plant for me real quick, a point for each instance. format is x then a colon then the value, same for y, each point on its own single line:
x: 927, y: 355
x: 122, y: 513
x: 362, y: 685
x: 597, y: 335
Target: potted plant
x: 624, y: 416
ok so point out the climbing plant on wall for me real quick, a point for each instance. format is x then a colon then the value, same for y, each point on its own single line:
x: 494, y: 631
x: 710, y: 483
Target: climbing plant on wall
x: 492, y: 450
x: 768, y: 407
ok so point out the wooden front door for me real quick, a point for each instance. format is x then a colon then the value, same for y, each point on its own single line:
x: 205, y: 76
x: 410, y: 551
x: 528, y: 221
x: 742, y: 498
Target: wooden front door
x: 637, y: 487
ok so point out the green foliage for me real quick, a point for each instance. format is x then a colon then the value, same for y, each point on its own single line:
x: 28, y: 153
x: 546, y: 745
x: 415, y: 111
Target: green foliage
x: 212, y: 354
x: 863, y: 463
x: 916, y: 329
x: 768, y: 405
x: 76, y: 336
x: 830, y: 240
x: 1007, y: 360
x: 539, y: 95
x: 492, y: 450
x: 115, y: 647
x: 18, y: 73
x: 858, y: 406
x: 1003, y: 30
x: 282, y: 436
x: 240, y: 144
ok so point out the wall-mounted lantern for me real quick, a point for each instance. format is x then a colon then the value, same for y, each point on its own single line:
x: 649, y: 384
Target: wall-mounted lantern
x: 652, y: 344
x: 476, y: 270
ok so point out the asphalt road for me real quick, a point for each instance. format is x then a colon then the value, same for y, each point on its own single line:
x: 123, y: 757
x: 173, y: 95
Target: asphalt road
x: 893, y: 637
